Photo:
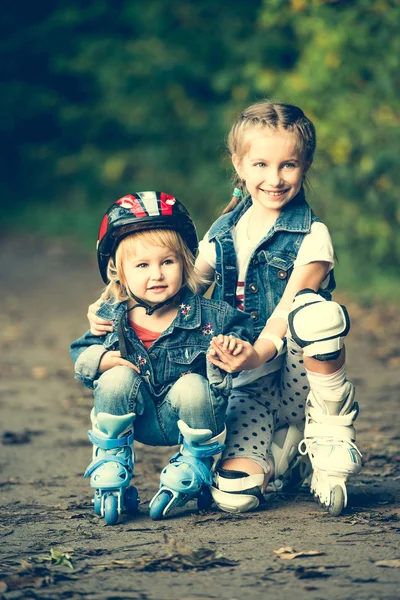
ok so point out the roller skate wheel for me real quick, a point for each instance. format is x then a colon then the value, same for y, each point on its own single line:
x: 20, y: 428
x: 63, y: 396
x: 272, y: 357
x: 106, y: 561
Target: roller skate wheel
x: 97, y: 504
x: 337, y: 501
x: 131, y: 500
x: 317, y: 499
x: 204, y: 499
x: 159, y: 504
x: 111, y: 509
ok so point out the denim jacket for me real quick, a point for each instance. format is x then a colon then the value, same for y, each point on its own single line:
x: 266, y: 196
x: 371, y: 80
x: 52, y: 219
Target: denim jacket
x: 270, y: 265
x: 179, y: 350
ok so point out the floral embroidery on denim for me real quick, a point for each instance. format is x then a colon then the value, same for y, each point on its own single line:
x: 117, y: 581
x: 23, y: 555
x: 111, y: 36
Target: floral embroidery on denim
x: 185, y: 310
x: 208, y: 330
x: 141, y: 360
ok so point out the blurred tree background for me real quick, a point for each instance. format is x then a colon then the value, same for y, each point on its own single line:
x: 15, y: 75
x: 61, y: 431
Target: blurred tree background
x: 103, y: 98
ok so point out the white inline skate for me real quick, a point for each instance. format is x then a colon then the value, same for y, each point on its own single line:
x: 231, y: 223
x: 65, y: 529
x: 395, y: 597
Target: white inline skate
x: 319, y: 326
x: 189, y: 472
x: 330, y: 444
x: 112, y: 466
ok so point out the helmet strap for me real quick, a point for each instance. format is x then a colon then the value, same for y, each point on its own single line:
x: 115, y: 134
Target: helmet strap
x: 148, y: 307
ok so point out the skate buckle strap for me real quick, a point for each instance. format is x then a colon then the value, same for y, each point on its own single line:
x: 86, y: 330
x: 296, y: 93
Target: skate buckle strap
x: 327, y: 420
x: 198, y: 467
x: 334, y: 432
x: 237, y: 502
x: 204, y: 450
x: 324, y: 347
x: 238, y: 484
x: 111, y: 443
x: 98, y: 462
x: 174, y: 457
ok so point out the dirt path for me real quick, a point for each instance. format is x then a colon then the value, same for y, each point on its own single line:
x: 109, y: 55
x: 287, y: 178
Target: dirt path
x: 45, y: 503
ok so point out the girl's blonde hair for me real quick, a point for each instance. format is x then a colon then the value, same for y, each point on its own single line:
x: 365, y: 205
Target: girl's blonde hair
x: 118, y: 290
x: 274, y: 116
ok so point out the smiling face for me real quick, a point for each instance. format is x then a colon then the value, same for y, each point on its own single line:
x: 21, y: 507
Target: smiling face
x: 152, y: 273
x: 272, y: 167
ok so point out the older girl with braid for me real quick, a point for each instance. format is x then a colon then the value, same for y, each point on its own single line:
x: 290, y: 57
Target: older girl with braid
x: 270, y: 256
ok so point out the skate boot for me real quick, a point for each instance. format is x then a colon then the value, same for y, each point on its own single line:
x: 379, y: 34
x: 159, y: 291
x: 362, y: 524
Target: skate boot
x: 112, y: 466
x: 238, y: 491
x: 291, y: 469
x: 330, y: 443
x: 189, y: 472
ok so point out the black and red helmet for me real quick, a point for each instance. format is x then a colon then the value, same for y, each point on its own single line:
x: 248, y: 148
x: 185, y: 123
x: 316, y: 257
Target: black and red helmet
x: 142, y: 211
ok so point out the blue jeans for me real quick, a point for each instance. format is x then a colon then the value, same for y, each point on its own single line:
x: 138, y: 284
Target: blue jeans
x: 121, y: 390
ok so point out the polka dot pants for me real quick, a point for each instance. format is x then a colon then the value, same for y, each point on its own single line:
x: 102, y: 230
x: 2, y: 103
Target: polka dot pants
x: 256, y: 410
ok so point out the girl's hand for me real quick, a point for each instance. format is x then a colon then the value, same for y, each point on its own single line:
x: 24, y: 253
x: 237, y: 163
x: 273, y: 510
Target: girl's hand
x: 98, y: 326
x: 113, y: 358
x: 229, y: 362
x: 227, y: 343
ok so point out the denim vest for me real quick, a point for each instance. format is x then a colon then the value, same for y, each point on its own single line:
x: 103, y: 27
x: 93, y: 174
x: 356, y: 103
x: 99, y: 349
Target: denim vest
x: 179, y: 350
x: 271, y: 263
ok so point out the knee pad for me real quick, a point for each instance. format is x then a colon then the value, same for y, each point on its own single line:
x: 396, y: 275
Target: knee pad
x: 236, y: 491
x: 318, y: 325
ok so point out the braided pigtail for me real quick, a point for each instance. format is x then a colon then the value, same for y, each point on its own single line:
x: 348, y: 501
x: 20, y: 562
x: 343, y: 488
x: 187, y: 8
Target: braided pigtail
x: 238, y: 194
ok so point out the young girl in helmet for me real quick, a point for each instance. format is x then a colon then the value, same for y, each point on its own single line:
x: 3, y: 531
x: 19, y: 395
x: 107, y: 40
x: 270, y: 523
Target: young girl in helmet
x: 150, y: 374
x: 272, y: 257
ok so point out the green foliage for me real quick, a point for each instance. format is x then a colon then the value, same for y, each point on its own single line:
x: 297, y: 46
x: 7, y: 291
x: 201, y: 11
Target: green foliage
x: 102, y: 98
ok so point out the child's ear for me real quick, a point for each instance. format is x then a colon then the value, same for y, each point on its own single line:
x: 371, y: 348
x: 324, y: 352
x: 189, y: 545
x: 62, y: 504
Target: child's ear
x: 237, y: 164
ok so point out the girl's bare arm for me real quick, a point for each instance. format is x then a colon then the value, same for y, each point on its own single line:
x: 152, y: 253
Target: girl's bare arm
x: 306, y: 276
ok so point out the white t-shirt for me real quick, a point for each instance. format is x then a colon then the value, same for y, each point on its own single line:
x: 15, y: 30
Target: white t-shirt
x: 316, y: 246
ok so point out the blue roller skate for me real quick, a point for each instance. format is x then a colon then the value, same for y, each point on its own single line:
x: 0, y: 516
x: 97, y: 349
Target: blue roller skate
x: 189, y: 472
x: 112, y: 466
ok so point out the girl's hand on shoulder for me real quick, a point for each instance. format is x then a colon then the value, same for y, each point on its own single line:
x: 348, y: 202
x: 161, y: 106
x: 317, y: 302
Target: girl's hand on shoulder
x: 246, y: 359
x: 98, y: 326
x: 113, y: 358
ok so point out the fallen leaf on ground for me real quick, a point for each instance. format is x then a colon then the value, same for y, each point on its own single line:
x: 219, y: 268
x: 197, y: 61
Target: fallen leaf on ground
x: 311, y: 573
x: 388, y: 563
x: 177, y: 557
x: 60, y: 558
x: 288, y: 553
x: 21, y: 574
x: 15, y: 582
x: 56, y: 558
x: 39, y: 372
